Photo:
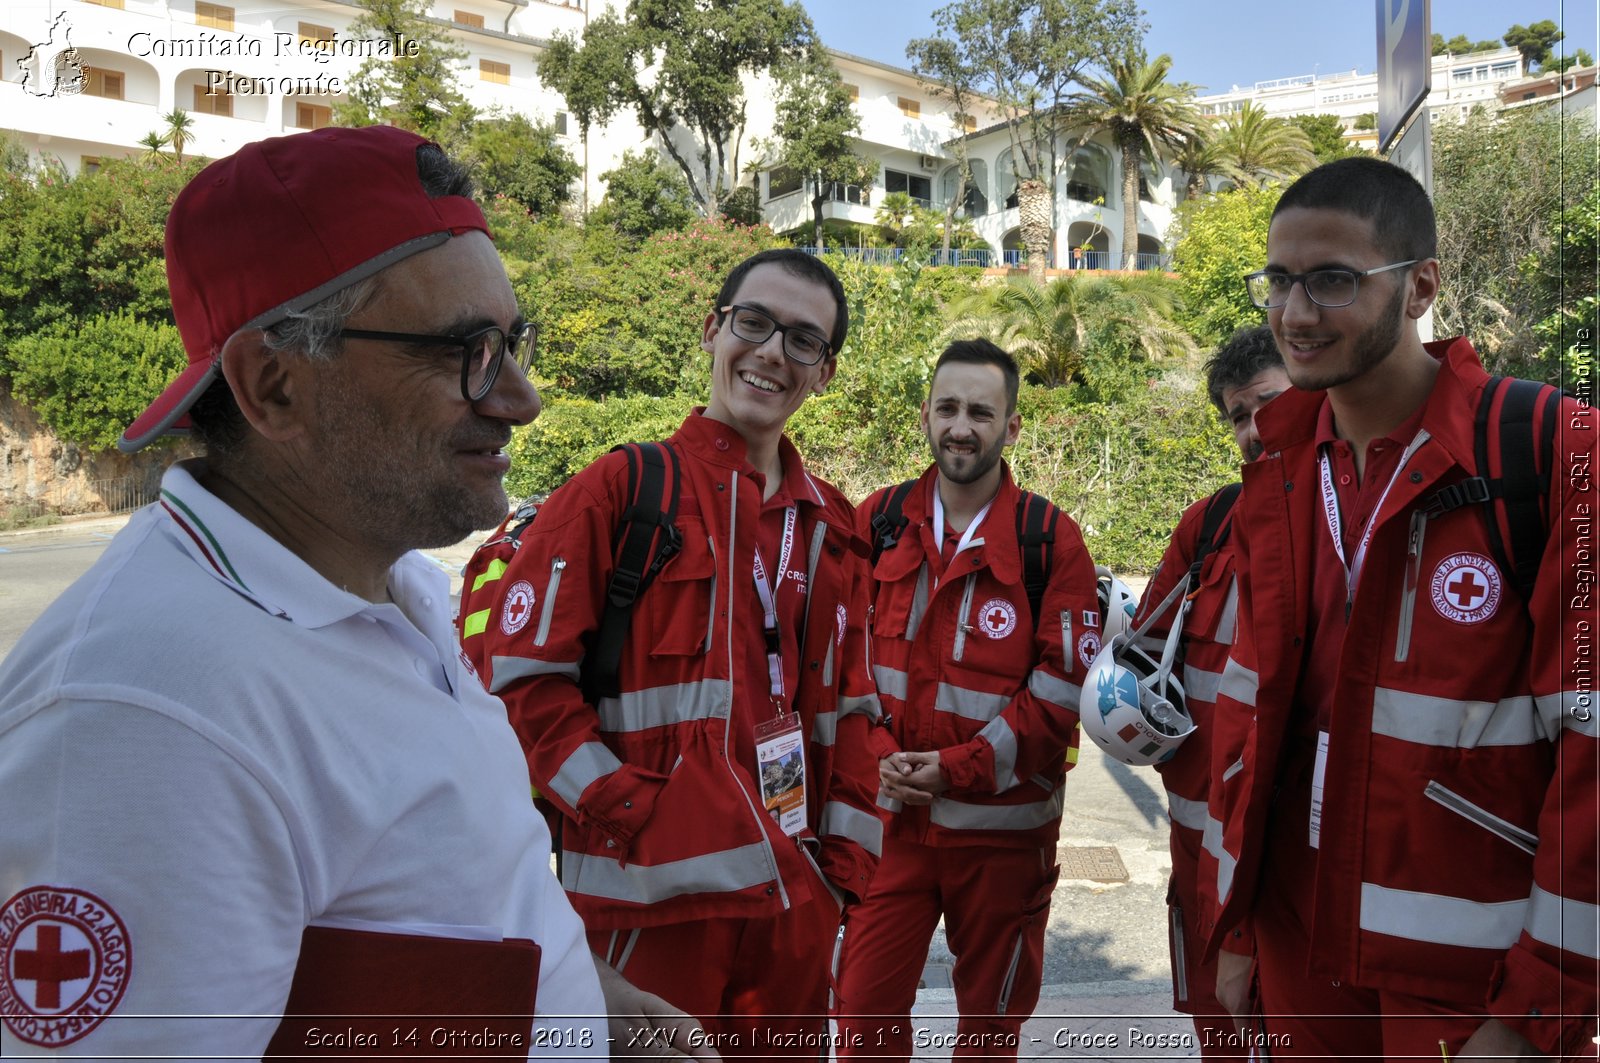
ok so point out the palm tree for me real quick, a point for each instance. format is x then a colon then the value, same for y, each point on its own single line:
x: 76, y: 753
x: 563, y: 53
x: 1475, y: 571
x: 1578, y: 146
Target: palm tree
x: 1260, y: 147
x: 1051, y: 328
x: 153, y: 142
x: 1201, y: 158
x: 179, y: 127
x: 1142, y: 111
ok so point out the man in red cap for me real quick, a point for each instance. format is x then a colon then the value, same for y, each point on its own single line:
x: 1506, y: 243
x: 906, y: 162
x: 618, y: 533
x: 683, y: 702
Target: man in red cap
x: 249, y: 732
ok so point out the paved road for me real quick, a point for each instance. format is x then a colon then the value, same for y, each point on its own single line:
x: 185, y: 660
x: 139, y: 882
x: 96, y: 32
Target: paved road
x: 1107, y: 983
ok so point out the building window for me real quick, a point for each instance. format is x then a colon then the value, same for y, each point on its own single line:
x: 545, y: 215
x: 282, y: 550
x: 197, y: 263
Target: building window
x: 839, y: 192
x: 920, y: 189
x: 910, y: 108
x: 312, y: 115
x: 967, y: 122
x: 117, y: 4
x: 561, y: 123
x: 854, y: 91
x: 106, y: 83
x: 312, y: 33
x: 89, y: 164
x: 782, y: 181
x: 490, y: 70
x: 213, y: 16
x: 467, y: 18
x: 220, y: 103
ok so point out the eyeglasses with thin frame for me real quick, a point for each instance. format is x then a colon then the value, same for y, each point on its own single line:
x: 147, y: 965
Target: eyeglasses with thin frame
x: 481, y: 351
x: 1328, y: 288
x: 754, y: 326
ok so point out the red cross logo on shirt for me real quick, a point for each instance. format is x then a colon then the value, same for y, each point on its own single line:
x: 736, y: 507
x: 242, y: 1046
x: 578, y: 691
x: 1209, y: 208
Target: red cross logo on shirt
x: 997, y: 617
x: 48, y: 965
x: 518, y: 607
x: 1467, y: 590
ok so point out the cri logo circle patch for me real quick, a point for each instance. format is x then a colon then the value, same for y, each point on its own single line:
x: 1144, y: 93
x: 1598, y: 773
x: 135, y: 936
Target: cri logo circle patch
x: 64, y: 963
x: 1466, y: 588
x: 1088, y: 647
x: 997, y: 618
x: 519, y: 607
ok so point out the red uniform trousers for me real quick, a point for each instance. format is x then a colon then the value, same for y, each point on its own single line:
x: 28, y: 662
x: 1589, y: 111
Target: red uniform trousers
x: 758, y: 986
x: 1309, y: 1016
x: 1195, y: 980
x: 996, y: 902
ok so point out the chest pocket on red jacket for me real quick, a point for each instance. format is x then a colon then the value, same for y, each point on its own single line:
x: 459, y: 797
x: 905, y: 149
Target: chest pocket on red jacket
x: 1213, y: 614
x: 681, y: 603
x: 898, y: 575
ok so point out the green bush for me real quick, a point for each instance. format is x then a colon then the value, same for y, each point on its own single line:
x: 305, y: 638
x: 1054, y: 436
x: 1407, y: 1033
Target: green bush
x: 1216, y: 240
x: 572, y: 432
x: 89, y: 379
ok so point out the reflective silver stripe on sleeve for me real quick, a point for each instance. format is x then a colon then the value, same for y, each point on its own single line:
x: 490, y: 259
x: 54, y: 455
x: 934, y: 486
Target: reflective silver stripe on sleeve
x: 863, y: 828
x: 508, y: 670
x: 824, y: 726
x: 640, y: 710
x: 1055, y: 690
x: 1564, y: 923
x: 1432, y: 721
x: 1440, y: 919
x: 1003, y: 741
x: 724, y: 872
x: 1201, y: 685
x: 1228, y: 622
x: 1186, y: 812
x: 1233, y: 769
x: 583, y: 765
x: 1573, y: 709
x: 970, y: 704
x: 958, y: 815
x: 1211, y: 841
x: 889, y: 804
x: 1239, y: 683
x: 867, y: 705
x: 890, y: 681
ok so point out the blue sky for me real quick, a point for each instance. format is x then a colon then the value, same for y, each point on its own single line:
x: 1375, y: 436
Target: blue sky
x: 1221, y: 43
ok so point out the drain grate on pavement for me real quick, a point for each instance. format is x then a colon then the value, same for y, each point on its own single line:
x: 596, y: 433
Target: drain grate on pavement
x: 936, y: 975
x: 1097, y: 863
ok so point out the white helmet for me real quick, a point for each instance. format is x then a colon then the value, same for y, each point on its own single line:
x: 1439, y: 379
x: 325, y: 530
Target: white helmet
x: 1117, y: 604
x: 1132, y: 704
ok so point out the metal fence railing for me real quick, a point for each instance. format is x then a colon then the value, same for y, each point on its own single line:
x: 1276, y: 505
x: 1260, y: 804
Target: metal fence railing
x: 124, y: 494
x: 987, y: 258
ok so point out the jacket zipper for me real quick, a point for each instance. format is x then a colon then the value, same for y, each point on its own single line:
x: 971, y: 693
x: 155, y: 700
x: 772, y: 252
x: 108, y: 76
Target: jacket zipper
x: 711, y: 621
x: 1408, y: 597
x: 1066, y: 636
x: 1490, y: 822
x: 962, y: 627
x: 1004, y: 1002
x: 545, y: 616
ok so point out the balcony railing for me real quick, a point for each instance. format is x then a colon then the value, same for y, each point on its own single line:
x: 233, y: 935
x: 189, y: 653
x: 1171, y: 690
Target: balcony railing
x: 986, y: 258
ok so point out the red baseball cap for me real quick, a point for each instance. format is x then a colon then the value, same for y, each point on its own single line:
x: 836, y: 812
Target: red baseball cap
x: 281, y: 225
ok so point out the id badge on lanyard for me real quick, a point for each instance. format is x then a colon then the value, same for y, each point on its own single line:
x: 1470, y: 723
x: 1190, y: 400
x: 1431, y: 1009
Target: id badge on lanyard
x: 780, y: 747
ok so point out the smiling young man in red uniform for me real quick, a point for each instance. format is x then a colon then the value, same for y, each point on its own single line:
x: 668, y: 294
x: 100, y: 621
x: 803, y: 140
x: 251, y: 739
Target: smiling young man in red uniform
x: 980, y: 707
x: 1245, y: 374
x: 1410, y: 823
x: 746, y: 651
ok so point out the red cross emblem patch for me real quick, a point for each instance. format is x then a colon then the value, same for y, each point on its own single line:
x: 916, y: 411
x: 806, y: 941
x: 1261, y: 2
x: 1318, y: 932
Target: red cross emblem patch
x: 518, y: 607
x: 64, y: 962
x: 997, y: 617
x: 1466, y: 588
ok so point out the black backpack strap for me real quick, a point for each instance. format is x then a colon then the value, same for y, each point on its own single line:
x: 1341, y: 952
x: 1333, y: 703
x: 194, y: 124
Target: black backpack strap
x: 1036, y: 535
x: 889, y: 519
x: 1214, y: 529
x: 1524, y: 477
x: 647, y: 537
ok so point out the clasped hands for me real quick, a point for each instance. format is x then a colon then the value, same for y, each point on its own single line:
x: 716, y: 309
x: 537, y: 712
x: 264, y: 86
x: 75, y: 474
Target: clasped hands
x: 912, y: 778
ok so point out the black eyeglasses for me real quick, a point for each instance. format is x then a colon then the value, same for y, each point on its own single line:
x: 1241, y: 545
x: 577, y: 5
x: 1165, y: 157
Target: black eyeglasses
x: 1329, y: 288
x: 481, y: 351
x: 753, y: 326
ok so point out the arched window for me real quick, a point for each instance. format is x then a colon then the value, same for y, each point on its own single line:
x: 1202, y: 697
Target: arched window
x: 1005, y: 180
x: 977, y: 198
x: 1149, y: 178
x: 1090, y: 174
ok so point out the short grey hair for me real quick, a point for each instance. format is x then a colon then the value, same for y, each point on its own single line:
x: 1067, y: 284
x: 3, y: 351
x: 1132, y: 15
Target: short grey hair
x: 314, y: 332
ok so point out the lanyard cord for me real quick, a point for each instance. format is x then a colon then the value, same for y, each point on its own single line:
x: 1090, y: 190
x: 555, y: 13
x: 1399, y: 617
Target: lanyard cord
x: 1335, y: 521
x: 768, y: 594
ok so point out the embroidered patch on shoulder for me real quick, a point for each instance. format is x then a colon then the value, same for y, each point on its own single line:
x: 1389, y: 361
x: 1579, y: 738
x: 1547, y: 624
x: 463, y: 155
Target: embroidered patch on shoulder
x: 65, y: 957
x: 997, y: 618
x: 518, y: 607
x: 1088, y: 647
x: 1466, y: 588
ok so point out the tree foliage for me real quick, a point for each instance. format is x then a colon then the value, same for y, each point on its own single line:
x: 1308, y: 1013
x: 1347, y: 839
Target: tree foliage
x: 1325, y: 132
x: 524, y: 162
x: 1216, y: 241
x: 1143, y: 112
x: 644, y: 196
x: 1460, y: 45
x: 1485, y: 234
x: 1536, y: 41
x: 679, y: 66
x: 815, y: 129
x: 414, y: 86
x: 947, y: 74
x: 1260, y: 147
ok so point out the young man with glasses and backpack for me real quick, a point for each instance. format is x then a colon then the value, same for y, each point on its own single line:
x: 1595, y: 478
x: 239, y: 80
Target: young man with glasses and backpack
x: 679, y: 639
x: 1409, y: 827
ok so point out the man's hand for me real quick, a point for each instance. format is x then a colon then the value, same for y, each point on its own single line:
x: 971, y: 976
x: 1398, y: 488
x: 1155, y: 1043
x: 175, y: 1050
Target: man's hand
x: 1495, y: 1041
x: 642, y: 1025
x: 912, y: 778
x: 1233, y: 987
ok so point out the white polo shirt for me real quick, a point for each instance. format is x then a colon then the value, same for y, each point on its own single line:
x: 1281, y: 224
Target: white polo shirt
x: 204, y: 747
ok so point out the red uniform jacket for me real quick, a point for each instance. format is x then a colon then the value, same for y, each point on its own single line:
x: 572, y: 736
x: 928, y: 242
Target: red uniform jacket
x: 662, y: 825
x: 1459, y: 709
x: 960, y: 669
